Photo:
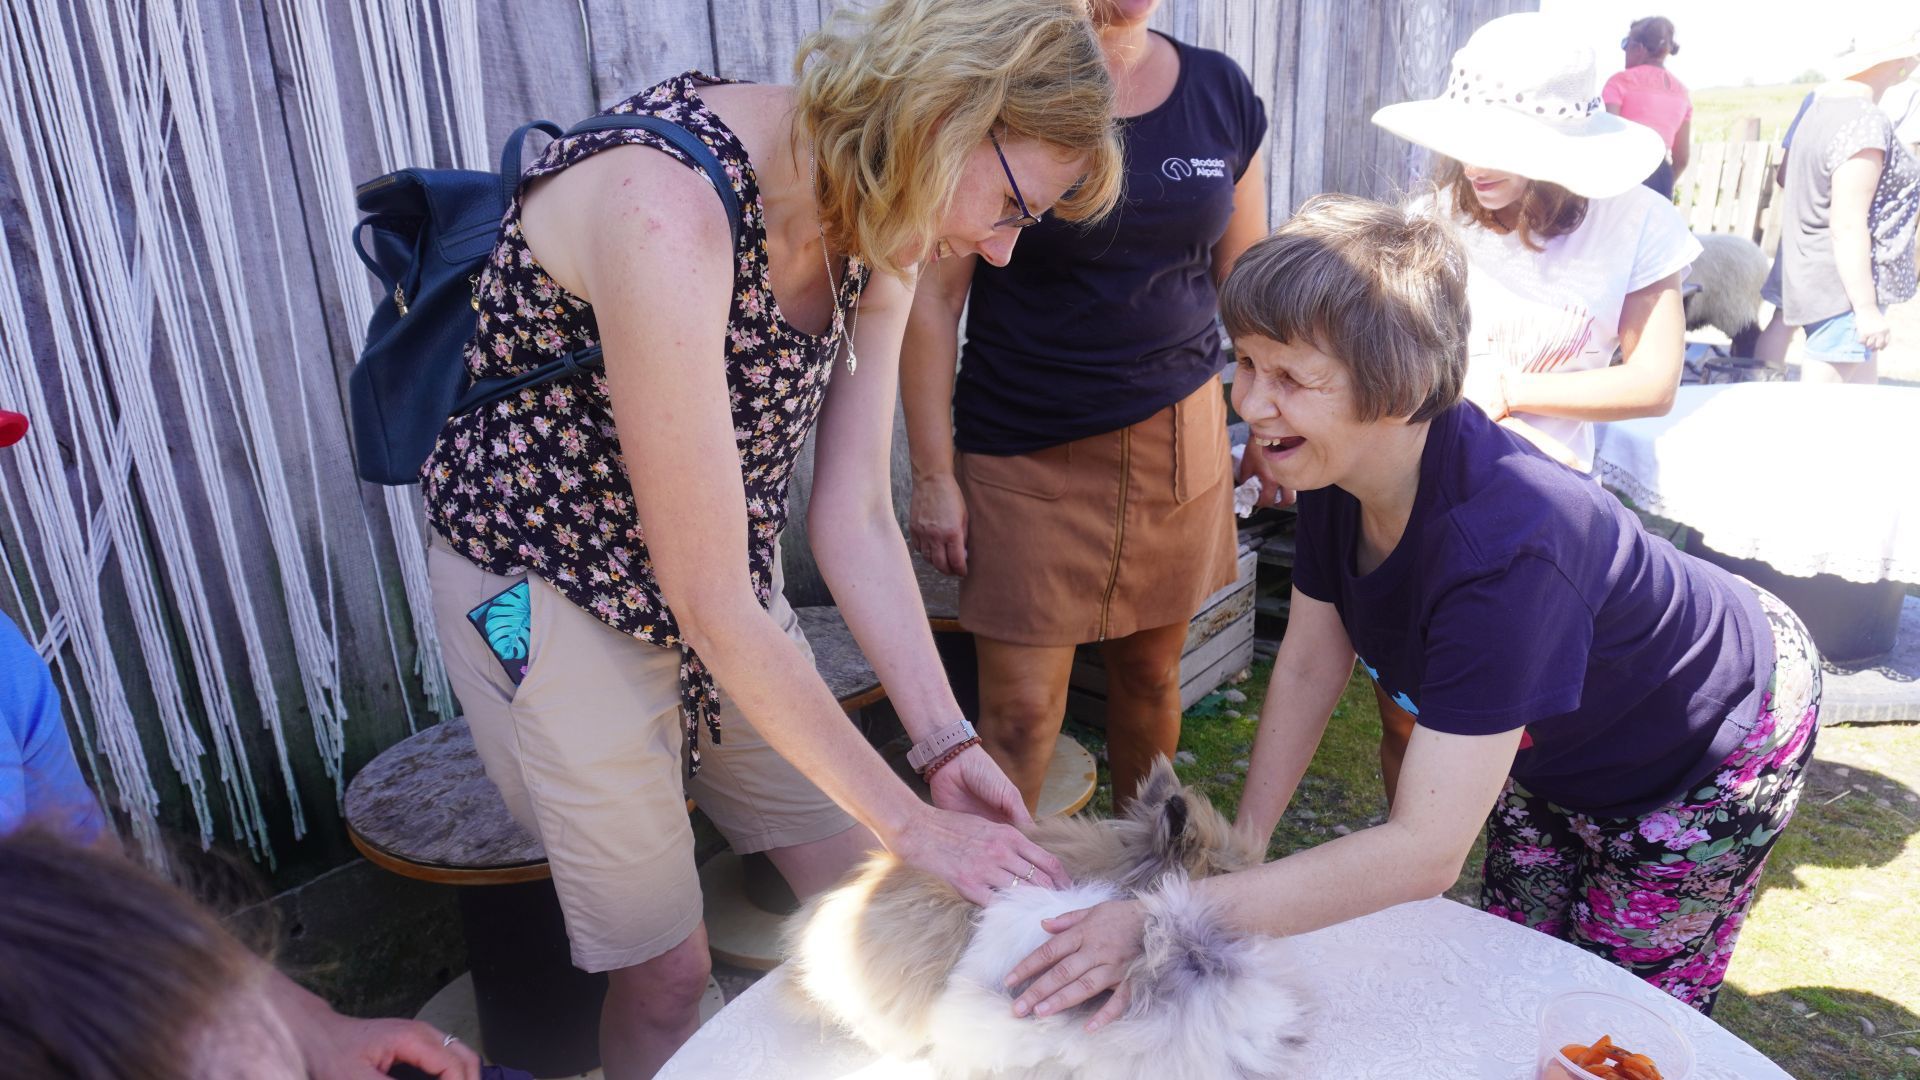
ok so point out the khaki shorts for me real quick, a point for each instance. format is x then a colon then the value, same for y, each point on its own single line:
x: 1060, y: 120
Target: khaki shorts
x: 588, y: 752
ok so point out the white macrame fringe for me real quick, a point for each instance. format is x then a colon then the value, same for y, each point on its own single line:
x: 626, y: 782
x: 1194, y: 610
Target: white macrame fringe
x: 131, y: 245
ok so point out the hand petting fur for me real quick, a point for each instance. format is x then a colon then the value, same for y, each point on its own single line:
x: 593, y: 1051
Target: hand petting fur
x: 904, y: 964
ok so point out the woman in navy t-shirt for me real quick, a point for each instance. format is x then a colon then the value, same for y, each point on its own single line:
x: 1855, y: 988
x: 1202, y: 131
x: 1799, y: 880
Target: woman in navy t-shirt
x: 1637, y: 720
x: 1075, y: 475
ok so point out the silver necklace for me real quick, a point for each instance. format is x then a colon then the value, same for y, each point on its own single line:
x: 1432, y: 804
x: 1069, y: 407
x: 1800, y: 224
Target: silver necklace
x: 839, y: 329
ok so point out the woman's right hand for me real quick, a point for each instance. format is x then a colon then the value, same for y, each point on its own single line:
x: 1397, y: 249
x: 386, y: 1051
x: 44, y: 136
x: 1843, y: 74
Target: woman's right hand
x: 974, y: 855
x: 1874, y: 329
x: 937, y: 519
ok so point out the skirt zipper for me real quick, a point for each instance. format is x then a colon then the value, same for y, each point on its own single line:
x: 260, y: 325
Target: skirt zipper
x: 1119, y: 532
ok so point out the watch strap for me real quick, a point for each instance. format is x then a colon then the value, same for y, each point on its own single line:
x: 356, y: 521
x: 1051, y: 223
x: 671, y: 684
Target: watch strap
x: 924, y: 752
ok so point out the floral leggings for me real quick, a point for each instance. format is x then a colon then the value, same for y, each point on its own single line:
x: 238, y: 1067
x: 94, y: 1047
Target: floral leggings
x: 1664, y: 894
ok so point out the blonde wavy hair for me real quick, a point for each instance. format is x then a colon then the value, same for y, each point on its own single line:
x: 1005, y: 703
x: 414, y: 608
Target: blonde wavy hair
x: 896, y: 97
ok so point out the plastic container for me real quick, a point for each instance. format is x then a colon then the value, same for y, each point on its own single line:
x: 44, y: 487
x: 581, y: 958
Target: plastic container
x: 1583, y: 1016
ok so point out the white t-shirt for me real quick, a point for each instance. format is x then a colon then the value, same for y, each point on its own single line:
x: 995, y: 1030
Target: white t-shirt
x: 1558, y: 309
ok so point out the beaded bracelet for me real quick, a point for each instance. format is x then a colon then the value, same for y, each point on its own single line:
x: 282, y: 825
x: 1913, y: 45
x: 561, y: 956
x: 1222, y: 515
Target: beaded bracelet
x: 934, y: 765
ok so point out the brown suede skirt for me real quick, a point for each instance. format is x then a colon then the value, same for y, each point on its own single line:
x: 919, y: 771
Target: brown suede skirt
x: 1102, y: 537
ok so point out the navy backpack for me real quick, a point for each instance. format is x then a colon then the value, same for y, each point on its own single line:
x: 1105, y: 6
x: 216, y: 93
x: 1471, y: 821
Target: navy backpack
x: 427, y: 234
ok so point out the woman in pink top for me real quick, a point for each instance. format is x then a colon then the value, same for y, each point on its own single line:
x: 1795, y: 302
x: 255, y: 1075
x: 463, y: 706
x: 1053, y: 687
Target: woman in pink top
x: 1647, y: 93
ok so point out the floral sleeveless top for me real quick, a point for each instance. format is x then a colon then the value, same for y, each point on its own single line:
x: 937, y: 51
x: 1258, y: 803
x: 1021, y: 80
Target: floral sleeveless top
x: 536, y: 483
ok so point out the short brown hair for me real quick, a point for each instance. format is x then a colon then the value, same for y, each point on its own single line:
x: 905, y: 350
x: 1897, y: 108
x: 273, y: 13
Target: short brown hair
x: 1382, y: 290
x: 1546, y: 210
x: 897, y: 96
x: 106, y: 972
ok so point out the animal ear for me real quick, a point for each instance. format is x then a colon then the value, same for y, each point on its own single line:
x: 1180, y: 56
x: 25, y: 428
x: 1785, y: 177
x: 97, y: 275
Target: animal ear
x: 1176, y: 816
x: 1161, y: 784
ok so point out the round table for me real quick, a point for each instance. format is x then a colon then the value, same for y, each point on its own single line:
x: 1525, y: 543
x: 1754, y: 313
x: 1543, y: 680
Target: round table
x: 1813, y: 481
x: 1433, y: 988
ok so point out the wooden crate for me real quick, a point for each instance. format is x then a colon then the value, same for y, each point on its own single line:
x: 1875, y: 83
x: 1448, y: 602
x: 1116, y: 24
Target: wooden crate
x: 1219, y: 644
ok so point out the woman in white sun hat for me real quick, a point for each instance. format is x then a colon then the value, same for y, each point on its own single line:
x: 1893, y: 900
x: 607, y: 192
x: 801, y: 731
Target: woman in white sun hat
x: 1571, y: 257
x: 1852, y: 195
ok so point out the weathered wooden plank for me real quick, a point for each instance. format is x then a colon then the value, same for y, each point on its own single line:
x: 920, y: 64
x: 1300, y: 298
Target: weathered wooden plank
x: 1727, y: 202
x: 1265, y: 44
x: 1706, y: 193
x: 757, y: 41
x: 1312, y: 75
x: 636, y: 43
x: 1755, y: 177
x: 1283, y: 189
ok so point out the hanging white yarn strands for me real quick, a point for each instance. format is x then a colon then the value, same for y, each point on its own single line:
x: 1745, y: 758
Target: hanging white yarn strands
x: 169, y: 546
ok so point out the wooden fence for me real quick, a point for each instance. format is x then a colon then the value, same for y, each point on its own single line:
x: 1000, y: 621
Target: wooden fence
x: 237, y: 623
x: 1728, y: 188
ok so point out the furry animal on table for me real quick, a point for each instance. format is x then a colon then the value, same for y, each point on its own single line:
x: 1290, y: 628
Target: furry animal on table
x: 901, y: 961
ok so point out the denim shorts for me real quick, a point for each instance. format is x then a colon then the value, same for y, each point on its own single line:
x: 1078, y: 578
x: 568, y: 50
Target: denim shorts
x: 1835, y: 341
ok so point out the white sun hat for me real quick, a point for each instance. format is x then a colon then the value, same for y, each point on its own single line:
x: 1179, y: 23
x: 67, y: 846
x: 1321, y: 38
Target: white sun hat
x: 1522, y: 97
x: 1869, y: 48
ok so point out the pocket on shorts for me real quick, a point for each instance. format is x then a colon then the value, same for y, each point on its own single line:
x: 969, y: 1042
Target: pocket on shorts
x: 1199, y: 442
x: 1042, y: 474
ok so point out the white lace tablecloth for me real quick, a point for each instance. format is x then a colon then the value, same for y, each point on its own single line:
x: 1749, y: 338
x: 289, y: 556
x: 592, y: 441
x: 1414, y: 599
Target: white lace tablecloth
x: 1808, y: 479
x: 1431, y: 989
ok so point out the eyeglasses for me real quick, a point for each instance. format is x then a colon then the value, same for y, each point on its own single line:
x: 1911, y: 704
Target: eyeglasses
x: 1025, y: 217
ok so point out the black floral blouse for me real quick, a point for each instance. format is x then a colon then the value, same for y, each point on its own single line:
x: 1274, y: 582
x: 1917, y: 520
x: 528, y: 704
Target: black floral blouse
x: 537, y: 482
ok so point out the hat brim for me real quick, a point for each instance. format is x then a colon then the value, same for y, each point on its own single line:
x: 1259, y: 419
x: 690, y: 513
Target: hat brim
x: 1607, y: 156
x: 1859, y: 61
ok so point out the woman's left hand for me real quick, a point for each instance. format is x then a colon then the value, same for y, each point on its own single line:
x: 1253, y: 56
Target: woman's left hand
x: 974, y: 784
x: 1089, y: 952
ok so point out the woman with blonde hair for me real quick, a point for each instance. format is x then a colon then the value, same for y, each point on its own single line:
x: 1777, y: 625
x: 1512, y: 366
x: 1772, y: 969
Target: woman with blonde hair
x: 1075, y: 473
x: 1647, y: 93
x: 614, y: 534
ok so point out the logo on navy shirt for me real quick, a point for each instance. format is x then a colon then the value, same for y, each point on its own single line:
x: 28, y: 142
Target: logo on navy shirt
x: 1179, y: 168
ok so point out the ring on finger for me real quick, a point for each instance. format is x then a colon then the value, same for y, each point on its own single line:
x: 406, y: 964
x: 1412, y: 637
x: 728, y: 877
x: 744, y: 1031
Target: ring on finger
x: 1028, y: 877
x: 449, y: 1040
x: 1013, y: 879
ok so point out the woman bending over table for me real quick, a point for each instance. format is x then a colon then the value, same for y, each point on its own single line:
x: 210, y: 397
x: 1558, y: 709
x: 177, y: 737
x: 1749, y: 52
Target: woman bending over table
x: 1637, y: 721
x: 629, y: 519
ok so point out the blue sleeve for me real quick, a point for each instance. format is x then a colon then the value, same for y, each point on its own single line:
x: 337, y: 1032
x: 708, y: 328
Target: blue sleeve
x: 1506, y: 650
x: 1786, y: 141
x: 40, y: 779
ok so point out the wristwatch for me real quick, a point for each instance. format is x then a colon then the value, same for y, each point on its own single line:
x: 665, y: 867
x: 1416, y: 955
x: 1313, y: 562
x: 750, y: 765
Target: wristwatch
x: 924, y: 753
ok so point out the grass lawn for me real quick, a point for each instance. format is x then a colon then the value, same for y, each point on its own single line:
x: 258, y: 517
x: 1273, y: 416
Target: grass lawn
x: 1716, y: 111
x: 1826, y: 980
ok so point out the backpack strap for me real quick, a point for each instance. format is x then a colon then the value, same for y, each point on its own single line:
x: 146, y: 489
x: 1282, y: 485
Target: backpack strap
x: 486, y: 391
x: 510, y: 157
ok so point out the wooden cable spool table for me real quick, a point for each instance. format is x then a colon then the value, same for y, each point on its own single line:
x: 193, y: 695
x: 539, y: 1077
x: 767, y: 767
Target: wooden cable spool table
x: 425, y: 809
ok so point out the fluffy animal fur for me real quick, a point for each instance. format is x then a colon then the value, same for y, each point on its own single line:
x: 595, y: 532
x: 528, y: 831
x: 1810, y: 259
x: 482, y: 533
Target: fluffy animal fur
x: 902, y: 962
x: 1730, y: 271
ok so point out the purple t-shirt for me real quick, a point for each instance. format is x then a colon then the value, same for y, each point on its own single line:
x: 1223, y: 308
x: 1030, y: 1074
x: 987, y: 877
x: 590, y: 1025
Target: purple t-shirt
x: 1523, y: 595
x: 1094, y: 327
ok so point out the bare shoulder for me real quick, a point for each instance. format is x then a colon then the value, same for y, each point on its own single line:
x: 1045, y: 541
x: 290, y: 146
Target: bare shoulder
x: 631, y: 202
